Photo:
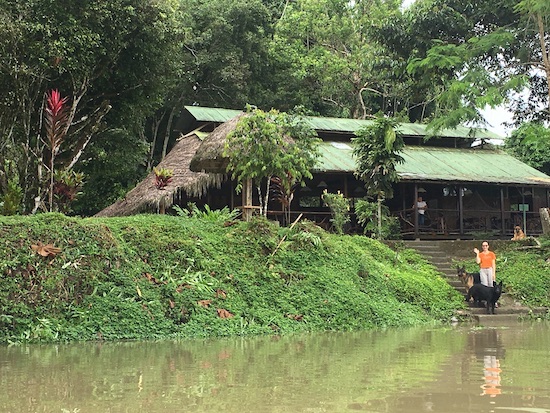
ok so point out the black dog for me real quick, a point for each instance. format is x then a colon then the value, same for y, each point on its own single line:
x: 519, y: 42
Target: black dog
x: 490, y: 295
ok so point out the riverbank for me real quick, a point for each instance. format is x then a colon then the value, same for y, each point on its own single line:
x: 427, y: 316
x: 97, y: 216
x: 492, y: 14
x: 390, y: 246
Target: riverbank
x: 156, y: 277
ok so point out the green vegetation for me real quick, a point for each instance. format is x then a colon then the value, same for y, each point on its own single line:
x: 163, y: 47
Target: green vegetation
x: 339, y: 208
x: 151, y: 276
x: 367, y: 216
x: 127, y: 72
x: 265, y: 145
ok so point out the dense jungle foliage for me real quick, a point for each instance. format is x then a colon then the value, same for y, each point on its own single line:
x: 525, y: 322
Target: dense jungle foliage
x: 154, y: 276
x: 124, y: 70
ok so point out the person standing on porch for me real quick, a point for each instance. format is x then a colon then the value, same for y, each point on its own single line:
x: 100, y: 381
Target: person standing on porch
x: 421, y: 207
x: 487, y: 261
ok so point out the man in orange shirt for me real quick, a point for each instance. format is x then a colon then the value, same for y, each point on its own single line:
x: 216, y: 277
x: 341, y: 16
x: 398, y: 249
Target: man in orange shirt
x: 487, y: 261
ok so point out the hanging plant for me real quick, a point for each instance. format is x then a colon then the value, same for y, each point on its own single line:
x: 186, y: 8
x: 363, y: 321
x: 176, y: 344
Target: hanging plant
x: 163, y: 177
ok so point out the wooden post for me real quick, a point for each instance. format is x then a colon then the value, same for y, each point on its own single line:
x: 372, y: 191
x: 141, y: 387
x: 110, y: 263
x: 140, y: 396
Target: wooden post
x: 460, y: 192
x: 545, y: 220
x: 502, y: 216
x: 162, y: 206
x: 415, y: 211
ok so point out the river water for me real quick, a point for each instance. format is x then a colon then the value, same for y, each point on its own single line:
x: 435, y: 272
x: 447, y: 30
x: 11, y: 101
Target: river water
x: 456, y: 369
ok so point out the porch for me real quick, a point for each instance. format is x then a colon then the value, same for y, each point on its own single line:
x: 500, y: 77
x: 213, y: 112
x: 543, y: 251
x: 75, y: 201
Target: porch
x: 454, y: 211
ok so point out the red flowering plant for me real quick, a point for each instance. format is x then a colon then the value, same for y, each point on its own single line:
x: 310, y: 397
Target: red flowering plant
x: 56, y: 120
x: 66, y: 188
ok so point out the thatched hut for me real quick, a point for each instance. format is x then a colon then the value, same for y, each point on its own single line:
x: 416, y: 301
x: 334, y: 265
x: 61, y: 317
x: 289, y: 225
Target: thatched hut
x: 145, y: 196
x: 209, y: 155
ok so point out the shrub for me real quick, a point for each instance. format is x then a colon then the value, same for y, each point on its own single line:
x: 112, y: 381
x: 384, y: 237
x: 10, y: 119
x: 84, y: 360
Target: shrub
x: 367, y: 216
x: 339, y: 208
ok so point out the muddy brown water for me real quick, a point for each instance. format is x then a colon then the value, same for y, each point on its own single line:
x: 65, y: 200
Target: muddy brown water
x: 466, y: 368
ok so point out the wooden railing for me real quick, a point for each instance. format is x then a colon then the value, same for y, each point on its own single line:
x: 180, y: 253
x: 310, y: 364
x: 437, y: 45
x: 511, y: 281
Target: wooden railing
x: 490, y: 221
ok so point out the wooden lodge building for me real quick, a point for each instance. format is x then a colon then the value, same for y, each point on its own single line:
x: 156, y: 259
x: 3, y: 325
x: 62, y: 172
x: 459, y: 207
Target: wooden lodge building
x: 471, y: 188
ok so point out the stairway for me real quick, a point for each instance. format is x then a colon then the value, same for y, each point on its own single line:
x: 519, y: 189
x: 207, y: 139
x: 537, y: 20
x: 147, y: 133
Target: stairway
x: 442, y: 253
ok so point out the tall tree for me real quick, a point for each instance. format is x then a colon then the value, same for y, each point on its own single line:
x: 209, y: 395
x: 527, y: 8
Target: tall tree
x: 327, y: 60
x: 226, y: 51
x: 377, y: 148
x: 531, y: 144
x: 223, y: 63
x: 110, y: 58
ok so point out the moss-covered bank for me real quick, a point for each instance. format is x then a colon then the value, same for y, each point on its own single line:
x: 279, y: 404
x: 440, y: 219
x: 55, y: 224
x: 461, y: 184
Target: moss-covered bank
x: 151, y: 276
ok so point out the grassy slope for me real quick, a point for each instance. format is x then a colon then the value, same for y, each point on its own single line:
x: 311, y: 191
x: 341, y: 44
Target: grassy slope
x: 153, y: 276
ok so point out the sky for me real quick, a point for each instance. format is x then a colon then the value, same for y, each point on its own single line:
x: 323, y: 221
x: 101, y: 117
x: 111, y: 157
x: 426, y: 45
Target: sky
x: 495, y: 118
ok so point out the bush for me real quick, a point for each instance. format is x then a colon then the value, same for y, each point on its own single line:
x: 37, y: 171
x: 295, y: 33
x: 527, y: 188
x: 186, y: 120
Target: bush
x: 339, y: 208
x: 367, y: 216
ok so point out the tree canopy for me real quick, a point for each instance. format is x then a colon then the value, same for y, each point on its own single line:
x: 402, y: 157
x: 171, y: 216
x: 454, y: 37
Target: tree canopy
x: 109, y: 59
x: 377, y: 148
x: 128, y: 67
x: 476, y: 54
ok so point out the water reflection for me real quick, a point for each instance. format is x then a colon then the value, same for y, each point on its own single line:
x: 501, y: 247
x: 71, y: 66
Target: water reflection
x: 465, y: 369
x: 491, y: 375
x: 488, y: 348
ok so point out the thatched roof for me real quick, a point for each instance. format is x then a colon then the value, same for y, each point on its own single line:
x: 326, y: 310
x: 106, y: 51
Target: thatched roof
x: 146, y: 196
x: 208, y: 157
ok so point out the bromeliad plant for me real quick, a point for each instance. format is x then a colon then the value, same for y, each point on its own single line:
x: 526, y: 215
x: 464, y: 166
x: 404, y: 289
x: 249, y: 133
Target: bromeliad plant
x: 163, y: 177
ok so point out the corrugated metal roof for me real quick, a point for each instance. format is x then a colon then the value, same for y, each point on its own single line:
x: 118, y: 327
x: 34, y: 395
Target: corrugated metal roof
x: 212, y: 114
x: 342, y: 125
x: 442, y: 165
x: 335, y: 157
x: 467, y: 165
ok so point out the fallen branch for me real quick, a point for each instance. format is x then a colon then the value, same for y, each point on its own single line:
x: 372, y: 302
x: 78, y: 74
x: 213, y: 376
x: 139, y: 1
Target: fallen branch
x: 283, y: 239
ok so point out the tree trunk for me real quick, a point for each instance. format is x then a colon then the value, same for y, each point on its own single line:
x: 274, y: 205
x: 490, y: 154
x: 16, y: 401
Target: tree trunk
x: 266, y: 199
x: 379, y: 218
x: 544, y: 52
x: 154, y: 132
x: 247, y: 199
x: 167, y: 134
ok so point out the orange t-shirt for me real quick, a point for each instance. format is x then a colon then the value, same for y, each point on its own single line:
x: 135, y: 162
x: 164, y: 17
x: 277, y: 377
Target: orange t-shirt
x: 487, y: 259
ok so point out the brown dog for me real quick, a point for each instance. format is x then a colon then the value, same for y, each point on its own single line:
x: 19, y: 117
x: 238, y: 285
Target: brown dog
x: 518, y: 233
x: 468, y: 278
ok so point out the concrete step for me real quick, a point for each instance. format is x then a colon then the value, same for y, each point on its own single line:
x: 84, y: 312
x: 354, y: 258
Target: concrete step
x: 501, y: 318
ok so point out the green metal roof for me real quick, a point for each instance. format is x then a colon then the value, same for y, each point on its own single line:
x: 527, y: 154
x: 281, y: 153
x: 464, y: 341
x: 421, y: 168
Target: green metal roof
x: 212, y: 114
x: 442, y: 165
x: 335, y: 157
x: 467, y: 165
x: 342, y: 125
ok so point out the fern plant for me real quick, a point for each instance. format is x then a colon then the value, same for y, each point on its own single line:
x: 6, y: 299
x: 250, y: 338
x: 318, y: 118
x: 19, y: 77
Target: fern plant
x: 217, y: 215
